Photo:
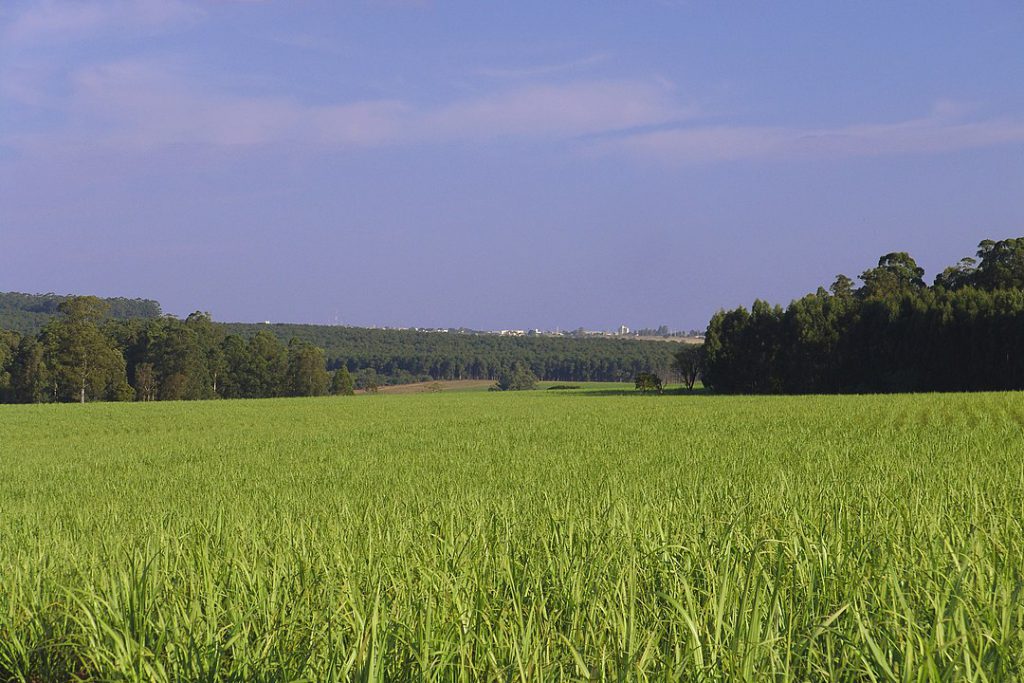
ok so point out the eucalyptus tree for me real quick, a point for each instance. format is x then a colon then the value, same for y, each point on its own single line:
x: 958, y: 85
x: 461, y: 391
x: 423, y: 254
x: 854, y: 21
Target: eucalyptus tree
x: 689, y: 363
x: 84, y: 363
x: 30, y: 377
x: 307, y: 370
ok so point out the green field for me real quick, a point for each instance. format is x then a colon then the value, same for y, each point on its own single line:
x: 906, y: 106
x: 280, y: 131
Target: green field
x: 501, y: 536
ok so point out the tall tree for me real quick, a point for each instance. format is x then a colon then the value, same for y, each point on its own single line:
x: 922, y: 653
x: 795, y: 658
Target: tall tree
x: 341, y: 382
x: 8, y: 351
x: 146, y: 383
x: 963, y: 274
x: 237, y: 381
x: 1001, y: 264
x: 897, y: 273
x: 83, y: 361
x: 689, y: 363
x: 210, y: 339
x: 179, y: 359
x: 30, y: 379
x: 842, y: 287
x: 268, y: 359
x: 307, y: 370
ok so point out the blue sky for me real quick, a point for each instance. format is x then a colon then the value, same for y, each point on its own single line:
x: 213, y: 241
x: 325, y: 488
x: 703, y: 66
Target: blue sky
x: 493, y: 165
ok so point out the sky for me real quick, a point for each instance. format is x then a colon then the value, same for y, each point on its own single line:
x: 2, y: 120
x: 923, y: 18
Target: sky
x: 498, y: 165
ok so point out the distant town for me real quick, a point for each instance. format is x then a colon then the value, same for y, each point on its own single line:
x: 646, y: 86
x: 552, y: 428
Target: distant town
x: 662, y: 333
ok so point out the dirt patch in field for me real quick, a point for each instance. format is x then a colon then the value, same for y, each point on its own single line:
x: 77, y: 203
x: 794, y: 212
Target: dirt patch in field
x: 433, y: 387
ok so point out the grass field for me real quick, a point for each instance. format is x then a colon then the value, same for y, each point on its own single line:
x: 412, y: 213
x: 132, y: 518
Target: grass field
x: 533, y: 536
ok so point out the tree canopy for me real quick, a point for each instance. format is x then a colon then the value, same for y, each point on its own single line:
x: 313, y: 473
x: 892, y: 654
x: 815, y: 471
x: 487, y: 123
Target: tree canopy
x: 893, y: 333
x: 27, y: 314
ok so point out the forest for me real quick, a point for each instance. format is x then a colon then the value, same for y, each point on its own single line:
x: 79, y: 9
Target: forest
x: 894, y: 333
x: 29, y: 313
x: 411, y: 355
x: 83, y: 352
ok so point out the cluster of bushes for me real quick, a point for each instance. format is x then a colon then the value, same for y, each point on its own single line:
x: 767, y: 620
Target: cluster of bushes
x: 648, y: 382
x: 517, y: 378
x: 893, y: 333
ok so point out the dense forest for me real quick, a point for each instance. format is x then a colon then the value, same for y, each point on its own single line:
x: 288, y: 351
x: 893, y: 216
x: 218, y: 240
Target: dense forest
x: 893, y: 333
x: 29, y: 313
x: 410, y: 355
x: 82, y: 353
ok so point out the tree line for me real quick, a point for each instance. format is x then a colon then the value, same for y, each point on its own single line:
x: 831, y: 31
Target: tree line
x: 84, y: 354
x: 29, y: 313
x: 893, y: 333
x: 401, y: 356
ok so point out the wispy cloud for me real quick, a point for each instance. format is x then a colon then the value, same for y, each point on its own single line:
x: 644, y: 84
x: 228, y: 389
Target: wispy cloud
x: 25, y: 83
x: 573, y: 109
x: 542, y: 69
x: 141, y: 105
x: 299, y: 41
x: 144, y: 105
x: 936, y: 133
x: 48, y: 21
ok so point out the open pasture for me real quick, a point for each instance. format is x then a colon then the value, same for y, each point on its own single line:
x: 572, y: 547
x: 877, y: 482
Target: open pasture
x: 533, y: 536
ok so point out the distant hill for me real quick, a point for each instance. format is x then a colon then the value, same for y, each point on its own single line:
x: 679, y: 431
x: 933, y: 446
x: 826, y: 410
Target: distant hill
x: 27, y: 313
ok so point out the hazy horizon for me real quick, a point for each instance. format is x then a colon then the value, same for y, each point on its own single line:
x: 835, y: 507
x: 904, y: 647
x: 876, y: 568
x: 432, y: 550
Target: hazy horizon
x: 402, y: 163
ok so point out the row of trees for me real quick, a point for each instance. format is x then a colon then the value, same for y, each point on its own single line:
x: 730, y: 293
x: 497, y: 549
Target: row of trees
x: 83, y: 355
x: 893, y: 333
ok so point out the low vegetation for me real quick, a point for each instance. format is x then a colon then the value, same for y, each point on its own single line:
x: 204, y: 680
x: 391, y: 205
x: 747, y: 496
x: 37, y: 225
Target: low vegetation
x: 647, y: 382
x: 517, y: 378
x: 514, y: 536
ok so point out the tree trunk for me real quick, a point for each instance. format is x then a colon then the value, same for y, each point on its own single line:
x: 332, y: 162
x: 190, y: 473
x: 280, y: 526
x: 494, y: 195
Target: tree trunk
x: 85, y: 378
